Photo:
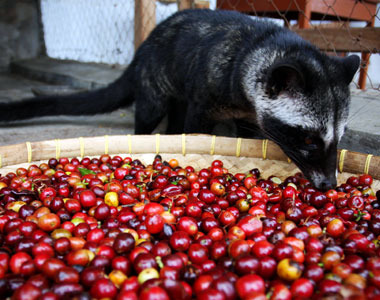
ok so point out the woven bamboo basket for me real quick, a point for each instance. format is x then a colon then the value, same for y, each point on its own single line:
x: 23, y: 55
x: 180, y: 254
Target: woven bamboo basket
x: 237, y: 154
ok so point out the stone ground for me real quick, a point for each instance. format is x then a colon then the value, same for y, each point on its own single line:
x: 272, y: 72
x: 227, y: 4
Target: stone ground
x: 48, y: 75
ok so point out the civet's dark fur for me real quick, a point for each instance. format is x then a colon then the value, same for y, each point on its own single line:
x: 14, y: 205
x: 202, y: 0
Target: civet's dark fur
x: 200, y: 67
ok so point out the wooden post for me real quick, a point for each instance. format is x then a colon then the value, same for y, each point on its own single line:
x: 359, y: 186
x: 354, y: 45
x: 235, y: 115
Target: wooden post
x: 365, y: 62
x: 185, y: 4
x: 304, y: 16
x: 145, y: 20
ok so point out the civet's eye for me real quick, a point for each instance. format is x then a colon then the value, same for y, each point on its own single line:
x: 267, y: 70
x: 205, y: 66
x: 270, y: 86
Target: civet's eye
x: 308, y: 141
x: 310, y: 144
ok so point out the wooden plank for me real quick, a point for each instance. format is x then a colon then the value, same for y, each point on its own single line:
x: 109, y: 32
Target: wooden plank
x: 202, y: 4
x: 188, y: 4
x: 145, y: 20
x: 345, y: 9
x: 185, y: 4
x: 343, y: 39
x: 259, y: 6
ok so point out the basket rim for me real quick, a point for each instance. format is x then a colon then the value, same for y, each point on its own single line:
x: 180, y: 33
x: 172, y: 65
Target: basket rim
x: 348, y: 161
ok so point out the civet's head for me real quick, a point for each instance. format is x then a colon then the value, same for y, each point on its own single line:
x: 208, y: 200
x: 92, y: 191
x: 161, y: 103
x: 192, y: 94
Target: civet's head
x: 301, y: 103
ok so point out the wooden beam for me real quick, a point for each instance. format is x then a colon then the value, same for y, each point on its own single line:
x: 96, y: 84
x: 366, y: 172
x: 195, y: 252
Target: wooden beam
x: 202, y: 4
x: 185, y: 4
x: 343, y: 39
x: 145, y: 20
x: 363, y: 10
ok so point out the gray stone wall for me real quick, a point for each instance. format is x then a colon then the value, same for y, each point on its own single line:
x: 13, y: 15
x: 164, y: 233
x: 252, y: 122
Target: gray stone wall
x: 19, y: 31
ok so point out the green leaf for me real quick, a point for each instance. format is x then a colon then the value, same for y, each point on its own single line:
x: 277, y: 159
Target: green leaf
x: 358, y: 216
x: 84, y: 171
x: 140, y: 187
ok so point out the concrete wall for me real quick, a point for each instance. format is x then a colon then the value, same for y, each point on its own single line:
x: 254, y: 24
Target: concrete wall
x: 19, y: 31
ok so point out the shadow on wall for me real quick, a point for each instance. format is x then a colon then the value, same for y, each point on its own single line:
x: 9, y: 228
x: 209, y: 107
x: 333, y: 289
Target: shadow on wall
x: 19, y: 31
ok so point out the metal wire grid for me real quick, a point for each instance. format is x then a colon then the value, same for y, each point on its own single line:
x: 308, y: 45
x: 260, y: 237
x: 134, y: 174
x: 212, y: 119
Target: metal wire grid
x: 103, y: 32
x: 325, y: 20
x: 93, y: 30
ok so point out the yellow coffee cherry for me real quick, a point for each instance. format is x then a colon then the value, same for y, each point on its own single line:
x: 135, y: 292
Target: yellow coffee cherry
x: 147, y: 274
x: 60, y: 232
x: 117, y: 277
x: 111, y: 199
x: 15, y: 205
x: 289, y: 270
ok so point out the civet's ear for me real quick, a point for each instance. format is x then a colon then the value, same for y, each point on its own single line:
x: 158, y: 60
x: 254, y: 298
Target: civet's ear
x: 351, y: 65
x: 284, y: 78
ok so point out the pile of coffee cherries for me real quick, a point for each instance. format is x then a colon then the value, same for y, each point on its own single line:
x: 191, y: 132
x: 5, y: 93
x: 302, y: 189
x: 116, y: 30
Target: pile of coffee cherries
x: 113, y: 228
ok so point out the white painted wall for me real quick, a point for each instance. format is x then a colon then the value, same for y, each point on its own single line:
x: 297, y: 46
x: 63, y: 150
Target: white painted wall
x: 102, y: 31
x: 90, y: 31
x: 94, y: 30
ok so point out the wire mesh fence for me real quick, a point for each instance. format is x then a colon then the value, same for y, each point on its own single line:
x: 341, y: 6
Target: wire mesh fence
x: 88, y: 30
x: 333, y: 25
x: 96, y: 30
x: 110, y: 31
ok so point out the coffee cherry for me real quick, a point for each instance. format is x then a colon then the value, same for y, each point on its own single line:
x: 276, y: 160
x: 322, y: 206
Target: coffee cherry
x: 123, y: 243
x: 147, y: 274
x: 289, y: 270
x: 249, y: 284
x: 302, y: 288
x: 125, y: 230
x: 103, y: 288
